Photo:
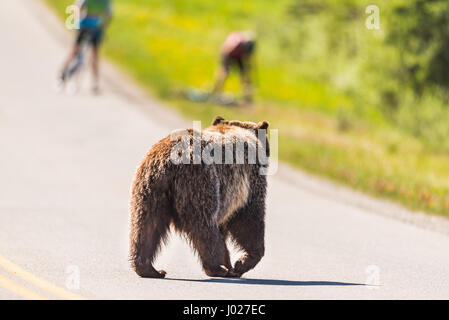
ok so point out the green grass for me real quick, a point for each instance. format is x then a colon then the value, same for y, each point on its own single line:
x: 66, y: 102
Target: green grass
x: 167, y: 45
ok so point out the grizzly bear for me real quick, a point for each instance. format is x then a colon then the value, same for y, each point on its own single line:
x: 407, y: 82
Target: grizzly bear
x: 206, y: 201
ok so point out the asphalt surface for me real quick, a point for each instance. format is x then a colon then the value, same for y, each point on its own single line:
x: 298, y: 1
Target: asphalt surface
x: 66, y: 165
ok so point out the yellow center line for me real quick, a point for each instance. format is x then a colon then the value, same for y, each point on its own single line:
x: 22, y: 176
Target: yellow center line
x: 19, y: 289
x: 36, y: 281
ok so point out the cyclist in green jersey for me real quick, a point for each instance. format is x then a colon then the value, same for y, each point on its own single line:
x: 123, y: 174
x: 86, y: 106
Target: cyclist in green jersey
x: 95, y: 16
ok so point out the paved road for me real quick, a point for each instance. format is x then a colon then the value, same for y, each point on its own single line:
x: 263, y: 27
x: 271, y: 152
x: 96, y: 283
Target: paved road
x: 66, y: 164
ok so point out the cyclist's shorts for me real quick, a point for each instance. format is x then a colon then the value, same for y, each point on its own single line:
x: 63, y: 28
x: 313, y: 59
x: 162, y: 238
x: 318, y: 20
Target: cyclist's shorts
x: 90, y: 22
x: 227, y: 62
x: 91, y: 28
x: 93, y: 35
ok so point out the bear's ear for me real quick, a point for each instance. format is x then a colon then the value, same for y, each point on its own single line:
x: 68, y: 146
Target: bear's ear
x: 217, y: 120
x: 263, y: 125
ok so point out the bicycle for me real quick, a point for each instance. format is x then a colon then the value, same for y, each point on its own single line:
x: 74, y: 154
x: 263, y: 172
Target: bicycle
x: 71, y: 75
x: 197, y: 95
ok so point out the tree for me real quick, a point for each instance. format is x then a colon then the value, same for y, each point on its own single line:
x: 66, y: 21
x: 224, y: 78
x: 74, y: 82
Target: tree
x: 420, y: 30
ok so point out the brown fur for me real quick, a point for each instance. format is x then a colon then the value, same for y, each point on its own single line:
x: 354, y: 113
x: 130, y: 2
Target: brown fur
x: 206, y: 202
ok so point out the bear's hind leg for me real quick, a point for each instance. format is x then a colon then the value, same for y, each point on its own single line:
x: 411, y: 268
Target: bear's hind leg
x: 213, y: 252
x: 247, y: 232
x: 149, y: 230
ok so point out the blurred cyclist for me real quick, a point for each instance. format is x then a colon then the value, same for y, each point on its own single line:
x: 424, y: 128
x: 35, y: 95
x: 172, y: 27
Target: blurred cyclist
x: 95, y: 16
x: 237, y: 50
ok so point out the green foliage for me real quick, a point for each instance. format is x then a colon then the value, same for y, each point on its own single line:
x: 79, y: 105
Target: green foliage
x: 421, y: 35
x: 400, y: 70
x: 428, y: 120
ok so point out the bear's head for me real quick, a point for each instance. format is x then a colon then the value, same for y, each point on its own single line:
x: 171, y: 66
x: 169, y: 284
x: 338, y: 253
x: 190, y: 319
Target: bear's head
x: 222, y: 124
x: 242, y: 124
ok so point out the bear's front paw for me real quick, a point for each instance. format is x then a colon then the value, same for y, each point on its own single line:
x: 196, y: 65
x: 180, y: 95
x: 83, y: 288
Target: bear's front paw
x: 151, y: 273
x: 158, y: 274
x: 238, y: 268
x: 162, y: 273
x: 232, y: 274
x: 217, y: 272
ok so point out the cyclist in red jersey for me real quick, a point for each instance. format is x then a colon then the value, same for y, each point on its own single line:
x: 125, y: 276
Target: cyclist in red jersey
x: 237, y: 50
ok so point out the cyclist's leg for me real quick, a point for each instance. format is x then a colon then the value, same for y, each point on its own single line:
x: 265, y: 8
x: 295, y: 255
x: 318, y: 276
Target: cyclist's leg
x: 75, y: 51
x: 245, y: 78
x: 97, y: 37
x: 222, y: 75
